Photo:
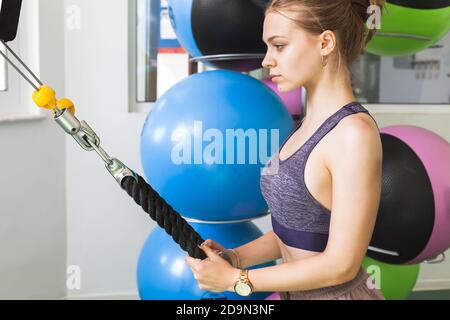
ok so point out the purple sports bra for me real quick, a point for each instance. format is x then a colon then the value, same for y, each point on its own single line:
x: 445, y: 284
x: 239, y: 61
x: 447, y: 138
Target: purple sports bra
x: 298, y: 219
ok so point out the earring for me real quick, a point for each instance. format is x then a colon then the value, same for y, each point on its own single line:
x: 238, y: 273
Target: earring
x: 324, y: 61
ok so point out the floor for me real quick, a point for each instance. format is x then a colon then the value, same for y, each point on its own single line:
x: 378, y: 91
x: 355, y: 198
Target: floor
x: 430, y: 295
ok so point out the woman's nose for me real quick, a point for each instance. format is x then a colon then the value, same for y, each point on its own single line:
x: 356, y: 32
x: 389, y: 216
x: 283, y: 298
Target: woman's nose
x: 268, y: 62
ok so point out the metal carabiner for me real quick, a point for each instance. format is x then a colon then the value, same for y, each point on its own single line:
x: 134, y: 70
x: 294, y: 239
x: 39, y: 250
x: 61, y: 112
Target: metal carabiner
x: 79, y: 130
x: 89, y: 141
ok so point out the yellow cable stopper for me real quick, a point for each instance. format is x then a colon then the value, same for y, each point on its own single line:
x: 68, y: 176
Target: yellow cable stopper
x: 65, y: 103
x: 45, y: 97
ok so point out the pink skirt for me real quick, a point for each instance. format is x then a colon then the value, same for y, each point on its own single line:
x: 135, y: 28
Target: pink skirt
x: 356, y: 289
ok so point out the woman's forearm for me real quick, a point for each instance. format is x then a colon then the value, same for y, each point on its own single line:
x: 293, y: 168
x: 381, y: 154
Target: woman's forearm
x: 262, y: 250
x: 310, y: 273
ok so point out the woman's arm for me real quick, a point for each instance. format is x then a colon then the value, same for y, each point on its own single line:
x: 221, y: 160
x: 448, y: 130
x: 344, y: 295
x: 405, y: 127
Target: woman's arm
x: 262, y: 250
x: 356, y: 174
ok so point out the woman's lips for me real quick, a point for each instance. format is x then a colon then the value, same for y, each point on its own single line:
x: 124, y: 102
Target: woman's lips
x: 275, y: 78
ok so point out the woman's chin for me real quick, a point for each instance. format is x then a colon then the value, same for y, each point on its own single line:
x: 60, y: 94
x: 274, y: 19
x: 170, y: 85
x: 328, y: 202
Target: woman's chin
x: 283, y: 87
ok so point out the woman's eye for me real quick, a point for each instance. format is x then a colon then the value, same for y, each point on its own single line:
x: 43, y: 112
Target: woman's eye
x: 278, y: 46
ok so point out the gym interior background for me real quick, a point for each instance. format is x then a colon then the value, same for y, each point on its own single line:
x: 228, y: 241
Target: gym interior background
x: 60, y: 211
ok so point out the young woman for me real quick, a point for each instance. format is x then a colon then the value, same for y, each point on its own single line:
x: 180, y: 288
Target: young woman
x: 323, y: 186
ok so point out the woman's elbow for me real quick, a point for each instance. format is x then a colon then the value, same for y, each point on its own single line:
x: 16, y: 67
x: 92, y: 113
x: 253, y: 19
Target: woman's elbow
x: 345, y: 273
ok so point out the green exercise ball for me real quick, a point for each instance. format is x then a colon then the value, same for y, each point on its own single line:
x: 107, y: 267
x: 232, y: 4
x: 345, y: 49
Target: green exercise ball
x: 396, y: 281
x: 409, y: 26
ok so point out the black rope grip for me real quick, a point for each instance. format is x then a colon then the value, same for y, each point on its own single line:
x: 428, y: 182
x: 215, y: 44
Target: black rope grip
x: 166, y: 217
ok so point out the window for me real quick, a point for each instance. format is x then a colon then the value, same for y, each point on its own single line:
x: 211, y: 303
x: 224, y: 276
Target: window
x: 415, y: 83
x: 422, y: 78
x: 157, y: 60
x: 15, y: 93
x: 9, y: 85
x: 147, y: 47
x: 3, y: 74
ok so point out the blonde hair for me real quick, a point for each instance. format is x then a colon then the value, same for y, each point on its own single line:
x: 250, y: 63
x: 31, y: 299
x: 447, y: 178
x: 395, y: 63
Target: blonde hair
x: 346, y: 18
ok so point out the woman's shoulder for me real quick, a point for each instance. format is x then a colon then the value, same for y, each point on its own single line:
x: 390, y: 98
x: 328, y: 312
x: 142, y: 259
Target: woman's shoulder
x: 357, y: 131
x: 359, y: 123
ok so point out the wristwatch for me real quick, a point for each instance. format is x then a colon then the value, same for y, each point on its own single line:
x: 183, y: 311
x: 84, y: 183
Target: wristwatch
x: 243, y: 286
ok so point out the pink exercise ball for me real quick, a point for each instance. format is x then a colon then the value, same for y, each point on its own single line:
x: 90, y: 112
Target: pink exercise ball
x: 273, y: 296
x: 413, y: 222
x: 292, y: 99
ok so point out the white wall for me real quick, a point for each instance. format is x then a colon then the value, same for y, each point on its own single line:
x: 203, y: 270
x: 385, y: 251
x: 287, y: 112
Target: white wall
x: 32, y: 188
x: 105, y: 227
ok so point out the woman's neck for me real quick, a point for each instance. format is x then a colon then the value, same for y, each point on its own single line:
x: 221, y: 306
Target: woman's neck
x: 329, y: 94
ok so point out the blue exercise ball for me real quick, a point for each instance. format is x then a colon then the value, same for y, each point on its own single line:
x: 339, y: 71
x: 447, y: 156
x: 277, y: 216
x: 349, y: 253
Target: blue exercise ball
x: 206, y: 140
x: 162, y: 273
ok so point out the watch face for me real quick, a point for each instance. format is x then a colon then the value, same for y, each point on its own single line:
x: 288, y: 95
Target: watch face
x: 243, y: 289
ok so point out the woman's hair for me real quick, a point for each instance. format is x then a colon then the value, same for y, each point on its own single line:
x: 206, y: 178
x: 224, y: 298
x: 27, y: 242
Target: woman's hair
x: 346, y: 18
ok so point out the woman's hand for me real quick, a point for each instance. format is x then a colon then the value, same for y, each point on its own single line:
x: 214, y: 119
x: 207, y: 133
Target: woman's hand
x: 214, y: 273
x: 217, y: 247
x: 230, y: 255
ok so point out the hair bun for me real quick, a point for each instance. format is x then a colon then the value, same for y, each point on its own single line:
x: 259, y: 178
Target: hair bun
x: 360, y: 8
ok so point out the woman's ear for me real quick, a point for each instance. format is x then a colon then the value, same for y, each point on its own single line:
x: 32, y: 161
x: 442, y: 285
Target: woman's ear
x: 327, y: 42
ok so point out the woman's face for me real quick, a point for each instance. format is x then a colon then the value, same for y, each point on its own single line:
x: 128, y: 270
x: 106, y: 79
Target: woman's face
x: 292, y: 53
